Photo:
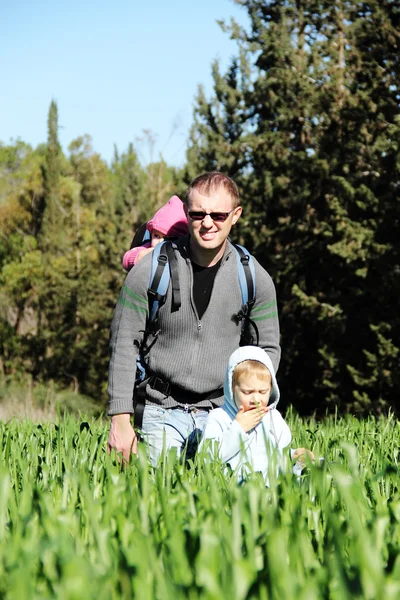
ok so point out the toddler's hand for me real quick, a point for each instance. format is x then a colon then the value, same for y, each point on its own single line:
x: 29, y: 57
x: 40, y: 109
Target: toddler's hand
x: 251, y: 418
x: 301, y: 454
x: 143, y: 253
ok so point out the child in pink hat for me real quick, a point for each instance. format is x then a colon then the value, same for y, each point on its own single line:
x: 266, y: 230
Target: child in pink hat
x: 169, y: 221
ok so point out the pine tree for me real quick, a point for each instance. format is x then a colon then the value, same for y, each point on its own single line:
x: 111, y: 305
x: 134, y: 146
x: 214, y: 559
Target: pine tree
x: 127, y: 177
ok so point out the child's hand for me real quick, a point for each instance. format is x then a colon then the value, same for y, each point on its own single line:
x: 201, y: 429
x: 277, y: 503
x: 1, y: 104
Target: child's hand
x: 251, y: 418
x: 143, y: 253
x: 301, y: 454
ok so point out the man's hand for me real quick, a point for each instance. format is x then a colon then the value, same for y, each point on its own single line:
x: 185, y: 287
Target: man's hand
x: 251, y: 418
x: 122, y: 436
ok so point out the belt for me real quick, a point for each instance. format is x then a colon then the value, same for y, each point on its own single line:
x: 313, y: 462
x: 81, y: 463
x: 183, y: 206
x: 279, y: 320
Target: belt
x: 179, y: 394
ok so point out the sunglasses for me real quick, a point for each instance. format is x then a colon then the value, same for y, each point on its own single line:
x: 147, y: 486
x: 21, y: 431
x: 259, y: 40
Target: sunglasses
x: 200, y: 215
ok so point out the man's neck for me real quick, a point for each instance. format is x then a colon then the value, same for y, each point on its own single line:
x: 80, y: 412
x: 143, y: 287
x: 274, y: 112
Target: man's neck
x: 206, y: 258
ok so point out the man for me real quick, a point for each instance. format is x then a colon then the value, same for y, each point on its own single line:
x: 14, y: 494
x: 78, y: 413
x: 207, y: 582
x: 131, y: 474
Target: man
x: 189, y: 357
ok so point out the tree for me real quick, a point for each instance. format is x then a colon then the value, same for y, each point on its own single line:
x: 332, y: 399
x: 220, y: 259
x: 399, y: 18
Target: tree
x: 317, y: 103
x: 21, y: 190
x: 65, y: 223
x: 48, y: 209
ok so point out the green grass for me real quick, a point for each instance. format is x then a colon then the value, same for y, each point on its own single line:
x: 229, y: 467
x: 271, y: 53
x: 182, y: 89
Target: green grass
x: 74, y: 524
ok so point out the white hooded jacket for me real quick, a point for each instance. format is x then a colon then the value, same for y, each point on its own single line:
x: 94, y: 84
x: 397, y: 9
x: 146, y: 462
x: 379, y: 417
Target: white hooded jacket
x: 249, y: 451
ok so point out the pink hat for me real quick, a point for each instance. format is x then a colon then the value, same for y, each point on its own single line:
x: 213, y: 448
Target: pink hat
x: 170, y: 220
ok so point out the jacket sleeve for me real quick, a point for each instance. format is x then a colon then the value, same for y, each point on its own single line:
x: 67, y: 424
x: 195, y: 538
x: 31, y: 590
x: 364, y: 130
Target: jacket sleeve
x: 279, y: 429
x: 130, y: 257
x: 127, y: 329
x: 230, y: 438
x: 264, y: 315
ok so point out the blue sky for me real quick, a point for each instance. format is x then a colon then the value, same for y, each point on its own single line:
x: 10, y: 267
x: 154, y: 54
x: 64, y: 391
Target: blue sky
x: 114, y: 69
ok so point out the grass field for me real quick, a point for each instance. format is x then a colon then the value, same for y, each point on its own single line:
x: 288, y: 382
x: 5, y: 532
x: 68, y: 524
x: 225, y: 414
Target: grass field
x: 74, y: 524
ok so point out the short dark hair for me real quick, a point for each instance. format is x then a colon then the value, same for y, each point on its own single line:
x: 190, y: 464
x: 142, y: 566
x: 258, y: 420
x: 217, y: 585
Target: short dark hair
x: 211, y: 181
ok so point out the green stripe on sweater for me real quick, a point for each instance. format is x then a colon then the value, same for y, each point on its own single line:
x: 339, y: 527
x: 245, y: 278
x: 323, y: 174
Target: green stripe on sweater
x: 263, y: 317
x: 128, y: 304
x: 132, y: 294
x: 264, y: 306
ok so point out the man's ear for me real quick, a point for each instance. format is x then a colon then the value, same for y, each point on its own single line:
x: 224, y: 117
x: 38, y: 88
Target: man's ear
x: 236, y: 214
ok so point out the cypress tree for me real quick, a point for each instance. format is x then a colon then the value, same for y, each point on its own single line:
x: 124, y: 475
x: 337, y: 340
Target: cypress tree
x: 47, y: 208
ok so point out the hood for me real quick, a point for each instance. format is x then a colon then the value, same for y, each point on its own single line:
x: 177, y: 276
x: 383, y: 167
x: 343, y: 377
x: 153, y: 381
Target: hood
x: 241, y: 354
x: 170, y: 220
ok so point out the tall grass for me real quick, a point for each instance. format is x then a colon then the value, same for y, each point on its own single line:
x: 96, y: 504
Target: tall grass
x: 75, y: 524
x: 23, y: 399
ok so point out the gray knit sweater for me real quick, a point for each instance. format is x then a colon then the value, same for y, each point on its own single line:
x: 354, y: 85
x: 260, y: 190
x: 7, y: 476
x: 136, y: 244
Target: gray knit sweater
x: 189, y: 352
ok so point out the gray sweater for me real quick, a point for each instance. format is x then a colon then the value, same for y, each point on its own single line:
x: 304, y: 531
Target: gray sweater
x: 189, y: 352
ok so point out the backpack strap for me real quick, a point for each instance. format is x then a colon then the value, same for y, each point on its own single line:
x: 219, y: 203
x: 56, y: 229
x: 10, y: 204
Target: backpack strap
x: 159, y: 280
x: 141, y: 236
x: 173, y: 267
x: 247, y: 282
x: 164, y: 268
x: 163, y: 256
x: 247, y: 274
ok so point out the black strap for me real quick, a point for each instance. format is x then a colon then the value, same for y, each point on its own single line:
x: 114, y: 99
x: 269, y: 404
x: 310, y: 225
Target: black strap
x: 152, y: 291
x: 173, y: 266
x: 244, y: 314
x: 246, y: 338
x: 139, y: 401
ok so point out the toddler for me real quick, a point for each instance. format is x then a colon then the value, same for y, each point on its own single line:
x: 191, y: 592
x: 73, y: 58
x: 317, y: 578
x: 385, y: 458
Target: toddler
x: 169, y: 221
x: 248, y: 427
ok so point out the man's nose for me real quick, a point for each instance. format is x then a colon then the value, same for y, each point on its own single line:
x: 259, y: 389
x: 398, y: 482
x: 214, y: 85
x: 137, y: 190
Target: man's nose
x: 207, y: 221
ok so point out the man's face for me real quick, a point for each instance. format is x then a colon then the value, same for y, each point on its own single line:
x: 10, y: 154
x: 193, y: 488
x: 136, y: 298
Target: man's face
x: 208, y: 235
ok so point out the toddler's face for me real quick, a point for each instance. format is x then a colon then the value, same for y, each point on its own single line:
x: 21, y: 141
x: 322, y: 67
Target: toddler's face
x: 156, y: 237
x: 251, y: 391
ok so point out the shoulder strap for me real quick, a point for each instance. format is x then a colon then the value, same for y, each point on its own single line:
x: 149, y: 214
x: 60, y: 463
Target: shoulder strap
x: 247, y: 282
x: 247, y: 275
x: 164, y: 268
x: 163, y: 255
x: 159, y: 279
x: 173, y: 268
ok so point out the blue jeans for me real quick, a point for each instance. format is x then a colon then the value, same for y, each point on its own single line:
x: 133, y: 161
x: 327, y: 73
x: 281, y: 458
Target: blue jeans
x: 170, y: 428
